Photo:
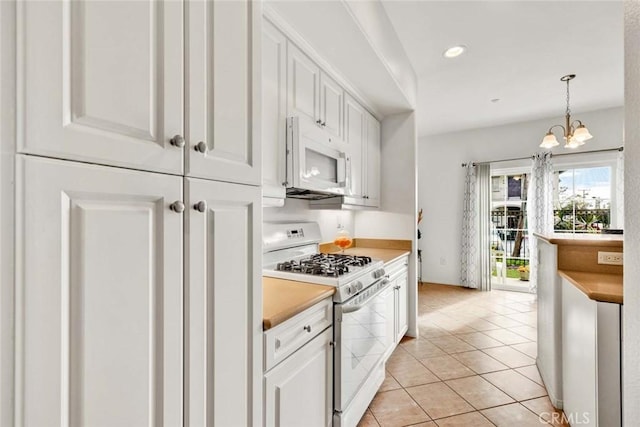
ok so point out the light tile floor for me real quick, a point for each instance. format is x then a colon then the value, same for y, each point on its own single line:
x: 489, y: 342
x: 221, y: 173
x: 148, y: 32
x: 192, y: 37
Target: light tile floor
x: 473, y: 365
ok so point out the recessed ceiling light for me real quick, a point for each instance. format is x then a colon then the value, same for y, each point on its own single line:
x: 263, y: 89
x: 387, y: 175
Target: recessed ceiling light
x: 454, y: 51
x: 494, y: 100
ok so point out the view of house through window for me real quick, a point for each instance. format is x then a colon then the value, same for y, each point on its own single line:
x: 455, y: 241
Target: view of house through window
x: 509, y: 236
x: 582, y: 199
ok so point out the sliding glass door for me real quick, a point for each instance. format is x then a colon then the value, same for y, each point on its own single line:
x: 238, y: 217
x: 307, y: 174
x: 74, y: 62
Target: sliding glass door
x: 509, y: 242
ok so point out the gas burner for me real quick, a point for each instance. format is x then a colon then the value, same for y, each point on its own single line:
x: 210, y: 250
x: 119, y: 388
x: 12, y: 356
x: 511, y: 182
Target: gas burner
x: 341, y: 259
x: 327, y: 265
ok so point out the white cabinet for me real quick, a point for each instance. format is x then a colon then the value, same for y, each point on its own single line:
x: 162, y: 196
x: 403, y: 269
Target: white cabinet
x: 331, y: 105
x: 590, y: 359
x: 99, y: 297
x: 371, y: 158
x: 298, y: 381
x: 274, y: 114
x: 303, y: 82
x: 362, y: 135
x: 401, y: 321
x: 224, y: 302
x: 223, y: 87
x: 355, y: 118
x: 396, y: 301
x: 102, y: 82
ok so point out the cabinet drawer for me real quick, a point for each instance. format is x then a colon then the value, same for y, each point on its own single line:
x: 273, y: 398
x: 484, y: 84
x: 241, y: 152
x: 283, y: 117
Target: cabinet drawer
x: 289, y: 336
x: 396, y: 268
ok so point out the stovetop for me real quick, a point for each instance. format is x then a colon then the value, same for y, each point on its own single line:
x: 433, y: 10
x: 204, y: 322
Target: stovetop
x: 327, y: 265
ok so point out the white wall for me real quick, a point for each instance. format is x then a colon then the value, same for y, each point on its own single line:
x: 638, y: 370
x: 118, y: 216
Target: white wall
x: 7, y: 147
x: 397, y: 215
x: 441, y: 178
x: 631, y: 308
x: 298, y: 210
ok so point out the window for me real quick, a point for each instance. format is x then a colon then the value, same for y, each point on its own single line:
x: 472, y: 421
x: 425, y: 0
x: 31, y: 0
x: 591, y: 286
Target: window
x: 583, y: 199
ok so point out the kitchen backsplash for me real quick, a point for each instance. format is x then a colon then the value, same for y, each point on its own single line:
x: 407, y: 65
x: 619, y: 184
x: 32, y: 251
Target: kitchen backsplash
x: 298, y: 210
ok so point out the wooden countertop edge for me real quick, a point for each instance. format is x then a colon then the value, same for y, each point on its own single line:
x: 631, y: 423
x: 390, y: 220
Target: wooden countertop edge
x: 362, y: 242
x: 590, y: 293
x: 597, y: 240
x: 283, y: 316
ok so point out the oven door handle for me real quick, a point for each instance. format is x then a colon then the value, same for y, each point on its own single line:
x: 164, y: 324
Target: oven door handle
x: 348, y: 308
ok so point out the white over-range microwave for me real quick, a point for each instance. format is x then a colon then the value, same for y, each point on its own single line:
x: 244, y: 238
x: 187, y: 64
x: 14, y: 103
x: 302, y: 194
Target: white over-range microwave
x: 318, y: 165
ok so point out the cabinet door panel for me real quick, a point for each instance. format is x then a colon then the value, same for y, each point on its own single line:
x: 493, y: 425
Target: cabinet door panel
x: 223, y: 109
x: 99, y: 296
x: 331, y: 103
x: 224, y: 341
x: 101, y: 82
x: 355, y: 128
x: 372, y: 159
x: 274, y: 114
x: 303, y: 83
x: 402, y: 283
x: 300, y: 389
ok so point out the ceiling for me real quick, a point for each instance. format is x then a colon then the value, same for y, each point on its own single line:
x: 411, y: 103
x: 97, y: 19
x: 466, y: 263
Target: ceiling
x: 516, y: 51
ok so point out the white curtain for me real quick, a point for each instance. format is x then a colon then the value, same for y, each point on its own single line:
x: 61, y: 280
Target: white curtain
x: 475, y: 268
x: 539, y: 209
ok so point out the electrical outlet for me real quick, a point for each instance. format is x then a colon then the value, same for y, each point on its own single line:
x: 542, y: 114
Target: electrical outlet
x: 612, y: 258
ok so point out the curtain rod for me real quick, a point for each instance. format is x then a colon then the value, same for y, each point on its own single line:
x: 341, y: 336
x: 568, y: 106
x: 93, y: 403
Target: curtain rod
x: 552, y: 155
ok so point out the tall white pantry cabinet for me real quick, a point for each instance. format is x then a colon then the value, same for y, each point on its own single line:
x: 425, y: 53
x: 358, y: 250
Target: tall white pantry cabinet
x: 137, y: 214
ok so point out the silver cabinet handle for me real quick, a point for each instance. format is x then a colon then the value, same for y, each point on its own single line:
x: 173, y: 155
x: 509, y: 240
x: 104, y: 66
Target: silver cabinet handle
x: 323, y: 124
x: 201, y: 206
x: 177, y: 206
x: 177, y: 141
x: 319, y: 122
x: 307, y: 328
x: 201, y: 147
x: 396, y: 287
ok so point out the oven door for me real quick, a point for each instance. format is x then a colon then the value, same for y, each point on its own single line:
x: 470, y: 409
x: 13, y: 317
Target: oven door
x: 315, y: 160
x: 361, y: 336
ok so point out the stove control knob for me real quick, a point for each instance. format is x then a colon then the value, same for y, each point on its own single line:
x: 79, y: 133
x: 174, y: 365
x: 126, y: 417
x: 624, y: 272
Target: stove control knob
x: 349, y: 290
x: 378, y: 273
x: 358, y: 286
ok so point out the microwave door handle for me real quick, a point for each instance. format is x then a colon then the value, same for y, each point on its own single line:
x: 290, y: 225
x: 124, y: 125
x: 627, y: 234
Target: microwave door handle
x: 344, y: 168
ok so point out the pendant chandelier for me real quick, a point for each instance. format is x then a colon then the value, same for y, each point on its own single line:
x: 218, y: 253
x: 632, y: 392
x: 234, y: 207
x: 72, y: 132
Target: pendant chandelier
x: 574, y: 136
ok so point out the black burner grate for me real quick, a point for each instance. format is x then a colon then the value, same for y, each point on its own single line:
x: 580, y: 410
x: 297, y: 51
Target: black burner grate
x: 328, y: 265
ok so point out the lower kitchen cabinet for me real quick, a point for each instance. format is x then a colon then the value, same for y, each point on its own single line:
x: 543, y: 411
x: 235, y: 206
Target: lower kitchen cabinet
x: 590, y: 359
x: 136, y: 298
x: 299, y: 390
x: 99, y: 302
x: 397, y: 297
x: 224, y: 292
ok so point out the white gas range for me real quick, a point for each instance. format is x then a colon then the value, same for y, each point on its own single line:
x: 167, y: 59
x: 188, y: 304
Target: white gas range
x: 361, y: 337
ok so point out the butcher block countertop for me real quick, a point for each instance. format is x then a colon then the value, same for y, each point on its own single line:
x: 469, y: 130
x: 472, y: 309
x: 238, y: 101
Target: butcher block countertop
x: 586, y: 239
x: 283, y: 299
x: 597, y: 286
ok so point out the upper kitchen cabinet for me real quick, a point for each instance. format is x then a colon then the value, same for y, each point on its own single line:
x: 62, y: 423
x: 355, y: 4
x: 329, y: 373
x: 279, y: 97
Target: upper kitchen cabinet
x: 99, y: 295
x: 303, y: 83
x: 371, y: 170
x: 331, y: 104
x: 102, y: 82
x: 274, y: 114
x: 355, y: 119
x: 223, y: 88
